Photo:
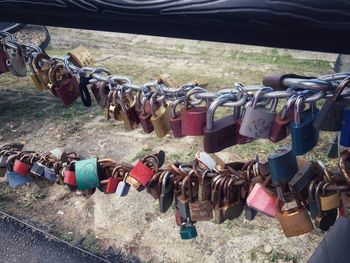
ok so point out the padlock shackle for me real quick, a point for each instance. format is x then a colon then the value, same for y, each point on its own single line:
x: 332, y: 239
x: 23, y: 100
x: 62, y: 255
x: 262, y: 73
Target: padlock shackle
x: 175, y: 104
x: 298, y: 108
x: 215, y: 104
x: 317, y: 196
x: 345, y: 82
x: 259, y: 94
x: 188, y: 95
x: 147, y: 96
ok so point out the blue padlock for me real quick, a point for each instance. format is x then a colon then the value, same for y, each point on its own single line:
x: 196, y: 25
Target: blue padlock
x: 312, y: 199
x: 304, y: 135
x: 283, y: 165
x: 50, y: 174
x: 345, y: 128
x: 14, y: 179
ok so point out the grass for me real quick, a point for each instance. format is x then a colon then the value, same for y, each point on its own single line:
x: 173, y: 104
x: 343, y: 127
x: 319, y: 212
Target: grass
x: 142, y: 153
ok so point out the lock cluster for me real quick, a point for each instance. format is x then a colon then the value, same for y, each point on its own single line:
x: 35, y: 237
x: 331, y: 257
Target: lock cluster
x: 297, y: 192
x: 165, y: 107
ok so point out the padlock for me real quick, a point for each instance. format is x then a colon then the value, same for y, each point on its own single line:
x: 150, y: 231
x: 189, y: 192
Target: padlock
x: 160, y: 118
x: 306, y: 172
x: 233, y: 204
x: 204, y: 184
x: 329, y: 199
x: 69, y: 175
x: 175, y: 120
x: 324, y: 220
x: 281, y: 125
x: 38, y: 169
x: 188, y: 231
x: 193, y: 119
x: 331, y: 114
x: 16, y: 61
x: 262, y: 199
x: 205, y: 161
x: 200, y: 209
x: 239, y: 111
x: 50, y: 174
x: 113, y: 181
x: 3, y: 58
x: 22, y: 166
x: 217, y: 200
x: 81, y: 57
x: 142, y: 173
x: 167, y: 192
x: 219, y: 134
x: 123, y: 187
x: 294, y: 221
x: 40, y: 71
x: 283, y: 165
x: 303, y: 133
x: 127, y: 111
x: 86, y: 173
x: 275, y: 81
x: 100, y: 90
x: 345, y: 128
x: 64, y: 84
x: 168, y: 81
x: 154, y: 185
x: 311, y: 200
x: 59, y: 155
x: 178, y: 218
x: 257, y: 120
x: 183, y: 200
x: 14, y: 179
x: 144, y: 116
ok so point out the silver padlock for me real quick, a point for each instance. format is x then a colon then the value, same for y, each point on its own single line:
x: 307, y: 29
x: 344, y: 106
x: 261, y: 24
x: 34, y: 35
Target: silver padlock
x: 15, y: 61
x: 257, y: 120
x: 123, y: 188
x: 205, y: 160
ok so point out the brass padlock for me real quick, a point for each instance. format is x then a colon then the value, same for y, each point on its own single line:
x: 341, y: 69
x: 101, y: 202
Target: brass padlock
x: 329, y: 199
x: 160, y: 118
x: 40, y: 70
x: 168, y: 81
x: 81, y: 57
x: 294, y: 221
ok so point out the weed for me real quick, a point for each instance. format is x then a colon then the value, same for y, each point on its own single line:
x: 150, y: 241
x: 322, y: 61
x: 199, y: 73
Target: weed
x: 144, y: 151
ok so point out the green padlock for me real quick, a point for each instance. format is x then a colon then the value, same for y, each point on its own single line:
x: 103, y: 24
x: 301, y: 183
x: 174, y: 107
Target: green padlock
x: 188, y: 231
x: 86, y: 174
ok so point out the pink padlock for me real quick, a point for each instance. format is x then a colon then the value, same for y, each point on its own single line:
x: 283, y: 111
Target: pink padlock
x: 262, y: 199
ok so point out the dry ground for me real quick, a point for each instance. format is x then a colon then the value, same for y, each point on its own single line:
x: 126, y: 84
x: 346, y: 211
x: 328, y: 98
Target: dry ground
x: 132, y: 225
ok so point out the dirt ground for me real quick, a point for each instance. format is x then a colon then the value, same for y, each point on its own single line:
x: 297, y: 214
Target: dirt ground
x: 133, y: 225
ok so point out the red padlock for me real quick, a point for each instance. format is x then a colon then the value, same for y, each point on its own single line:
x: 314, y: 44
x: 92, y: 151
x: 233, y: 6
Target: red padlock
x: 114, y: 180
x: 69, y: 175
x: 21, y: 166
x: 3, y: 58
x: 65, y: 85
x: 146, y: 114
x: 142, y: 172
x: 194, y: 118
x: 280, y: 126
x: 175, y: 120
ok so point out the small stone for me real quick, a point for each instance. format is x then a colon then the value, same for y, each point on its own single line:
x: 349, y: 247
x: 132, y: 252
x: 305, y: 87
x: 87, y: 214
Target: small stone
x: 267, y: 249
x: 60, y: 212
